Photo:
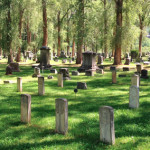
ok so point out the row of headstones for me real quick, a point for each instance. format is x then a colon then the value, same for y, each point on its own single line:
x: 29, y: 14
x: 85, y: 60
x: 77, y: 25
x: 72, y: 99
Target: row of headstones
x: 106, y: 116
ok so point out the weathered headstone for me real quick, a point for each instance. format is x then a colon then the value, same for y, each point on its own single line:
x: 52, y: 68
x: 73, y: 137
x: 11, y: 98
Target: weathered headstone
x: 114, y: 77
x: 65, y: 73
x: 100, y: 71
x: 53, y: 71
x: 36, y: 72
x: 126, y: 69
x: 144, y: 74
x: 139, y: 68
x: 107, y: 131
x: 112, y: 68
x: 127, y: 61
x: 134, y: 97
x: 8, y: 70
x: 64, y: 61
x: 89, y: 72
x: 25, y: 108
x: 89, y: 61
x: 41, y: 87
x: 15, y: 67
x: 63, y: 55
x: 135, y: 80
x: 19, y: 84
x: 81, y: 85
x: 61, y: 115
x: 100, y: 59
x: 75, y: 73
x: 60, y: 79
x: 50, y: 77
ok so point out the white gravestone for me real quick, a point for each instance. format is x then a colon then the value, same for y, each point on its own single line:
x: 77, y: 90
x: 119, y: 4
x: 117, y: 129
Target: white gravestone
x: 19, y: 84
x: 135, y: 80
x: 60, y: 79
x: 41, y: 88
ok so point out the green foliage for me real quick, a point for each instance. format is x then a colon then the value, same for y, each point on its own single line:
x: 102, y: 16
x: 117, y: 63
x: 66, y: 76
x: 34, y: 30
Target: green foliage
x: 134, y: 54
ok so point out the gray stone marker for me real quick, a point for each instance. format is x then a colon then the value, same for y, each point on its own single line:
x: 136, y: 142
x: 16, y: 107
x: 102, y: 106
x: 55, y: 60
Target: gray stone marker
x: 19, y: 84
x: 60, y: 79
x: 41, y: 88
x: 25, y: 108
x: 89, y: 72
x: 107, y: 131
x: 75, y: 73
x: 135, y: 80
x: 114, y: 77
x: 139, y: 68
x: 134, y: 97
x: 81, y: 85
x: 100, y: 71
x: 36, y: 72
x: 61, y: 115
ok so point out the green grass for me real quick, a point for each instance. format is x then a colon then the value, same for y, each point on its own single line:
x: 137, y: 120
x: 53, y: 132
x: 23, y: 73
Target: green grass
x: 132, y: 126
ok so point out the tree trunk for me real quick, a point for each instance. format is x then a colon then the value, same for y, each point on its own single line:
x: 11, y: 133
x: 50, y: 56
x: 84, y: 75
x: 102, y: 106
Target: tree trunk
x: 53, y: 49
x: 0, y: 51
x: 68, y: 39
x: 73, y: 47
x: 105, y: 30
x: 141, y: 34
x: 45, y: 33
x: 117, y: 57
x: 21, y: 11
x: 59, y: 38
x: 28, y: 33
x: 80, y: 29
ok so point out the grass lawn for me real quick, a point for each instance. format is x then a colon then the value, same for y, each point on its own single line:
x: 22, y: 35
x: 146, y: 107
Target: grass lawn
x: 132, y: 126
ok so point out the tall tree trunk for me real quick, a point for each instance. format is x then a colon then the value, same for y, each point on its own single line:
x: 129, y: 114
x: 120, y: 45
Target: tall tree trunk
x: 59, y: 38
x: 45, y: 33
x: 117, y: 57
x: 73, y: 47
x: 141, y: 34
x: 105, y: 30
x: 21, y: 11
x: 80, y: 30
x: 0, y: 51
x: 9, y: 35
x: 53, y: 49
x: 28, y: 32
x: 68, y: 39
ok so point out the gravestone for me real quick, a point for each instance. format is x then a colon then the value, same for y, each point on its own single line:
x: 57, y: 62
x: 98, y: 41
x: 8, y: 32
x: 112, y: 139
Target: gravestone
x: 101, y: 67
x: 135, y: 80
x: 56, y: 59
x: 63, y: 55
x: 61, y: 105
x: 50, y: 77
x: 127, y: 61
x: 60, y: 80
x: 70, y: 61
x: 15, y: 67
x: 126, y: 69
x: 139, y: 68
x: 112, y: 68
x: 107, y: 131
x: 81, y: 85
x: 100, y: 59
x: 134, y: 97
x: 64, y: 61
x: 8, y: 70
x: 19, y: 84
x: 8, y: 82
x: 25, y: 108
x: 100, y: 71
x: 45, y: 57
x: 146, y: 63
x: 89, y: 72
x: 144, y: 74
x: 89, y: 61
x: 41, y: 88
x: 75, y: 73
x: 114, y: 77
x: 65, y: 73
x: 53, y: 71
x: 36, y: 72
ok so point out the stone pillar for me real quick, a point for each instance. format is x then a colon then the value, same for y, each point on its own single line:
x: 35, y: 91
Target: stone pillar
x: 114, y: 77
x: 19, y: 84
x: 60, y: 80
x: 139, y: 68
x: 25, y: 108
x: 100, y: 59
x: 135, y: 80
x: 61, y: 115
x: 134, y: 97
x: 41, y: 88
x: 107, y: 131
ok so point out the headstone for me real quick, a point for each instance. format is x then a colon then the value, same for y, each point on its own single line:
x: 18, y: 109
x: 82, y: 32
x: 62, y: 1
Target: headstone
x: 135, y: 80
x: 70, y: 61
x: 89, y: 61
x: 139, y: 68
x: 65, y: 73
x: 7, y: 82
x: 15, y: 67
x: 56, y: 60
x: 114, y: 77
x: 107, y: 131
x: 19, y: 84
x: 53, y: 71
x: 126, y: 69
x: 127, y: 61
x: 101, y: 67
x: 50, y: 77
x: 146, y: 63
x: 75, y: 73
x: 144, y: 74
x: 60, y: 79
x: 36, y: 72
x: 89, y: 72
x: 41, y: 88
x: 122, y: 75
x: 64, y: 61
x: 81, y: 85
x: 134, y: 97
x: 25, y: 108
x: 112, y: 68
x: 45, y: 57
x: 63, y: 55
x: 100, y: 59
x: 100, y: 71
x: 61, y: 105
x: 8, y: 70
